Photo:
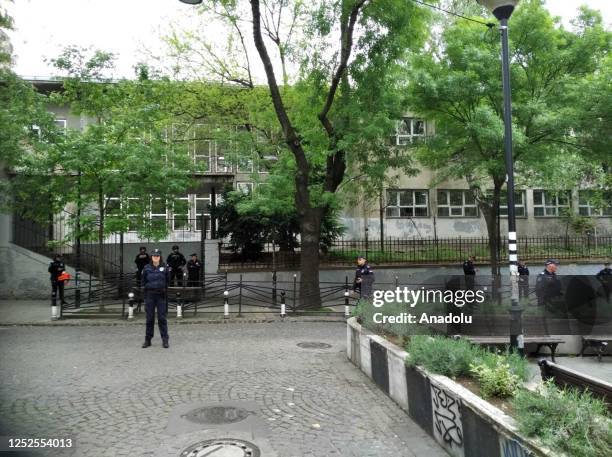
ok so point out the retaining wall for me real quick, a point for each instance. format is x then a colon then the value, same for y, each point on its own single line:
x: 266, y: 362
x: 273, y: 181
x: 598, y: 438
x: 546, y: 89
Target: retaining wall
x: 462, y: 423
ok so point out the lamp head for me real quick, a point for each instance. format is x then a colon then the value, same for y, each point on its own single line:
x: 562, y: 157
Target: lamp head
x: 191, y: 2
x: 501, y: 9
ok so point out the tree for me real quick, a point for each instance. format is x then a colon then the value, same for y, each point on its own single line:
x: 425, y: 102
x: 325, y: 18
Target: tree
x: 121, y: 165
x: 336, y: 99
x: 459, y: 86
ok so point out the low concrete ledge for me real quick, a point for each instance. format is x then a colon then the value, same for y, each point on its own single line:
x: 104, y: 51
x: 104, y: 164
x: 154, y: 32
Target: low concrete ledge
x: 462, y: 423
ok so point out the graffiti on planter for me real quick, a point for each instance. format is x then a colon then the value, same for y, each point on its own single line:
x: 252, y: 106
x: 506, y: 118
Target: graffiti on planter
x: 512, y: 448
x: 446, y: 416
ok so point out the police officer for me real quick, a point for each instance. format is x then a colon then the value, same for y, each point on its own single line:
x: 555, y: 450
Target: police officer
x: 56, y: 268
x: 155, y: 282
x: 605, y: 277
x: 548, y: 286
x: 469, y: 270
x: 193, y: 270
x: 523, y: 280
x: 364, y: 278
x: 142, y: 259
x: 176, y: 261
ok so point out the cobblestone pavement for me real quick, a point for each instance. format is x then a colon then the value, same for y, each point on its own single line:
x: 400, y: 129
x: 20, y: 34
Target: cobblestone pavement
x: 97, y: 385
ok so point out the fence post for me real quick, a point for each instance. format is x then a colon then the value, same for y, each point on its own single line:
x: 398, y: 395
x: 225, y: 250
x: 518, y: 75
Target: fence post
x: 121, y: 246
x: 179, y: 305
x: 240, y: 298
x: 346, y: 303
x: 225, y: 304
x: 294, y: 291
x: 130, y: 305
x: 283, y: 312
x: 274, y: 288
x: 77, y: 290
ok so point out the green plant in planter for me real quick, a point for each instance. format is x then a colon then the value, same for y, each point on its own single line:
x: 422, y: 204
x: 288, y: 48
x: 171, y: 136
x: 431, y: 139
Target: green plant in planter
x: 441, y: 355
x: 496, y: 381
x: 566, y: 420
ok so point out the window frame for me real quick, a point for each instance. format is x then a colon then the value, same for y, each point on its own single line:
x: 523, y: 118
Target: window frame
x: 463, y: 206
x: 599, y: 212
x: 399, y: 206
x: 411, y: 135
x: 557, y: 207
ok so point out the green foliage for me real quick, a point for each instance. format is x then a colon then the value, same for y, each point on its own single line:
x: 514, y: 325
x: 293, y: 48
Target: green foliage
x: 441, y: 355
x: 497, y: 380
x: 458, y: 86
x: 498, y: 374
x: 249, y: 225
x: 565, y: 420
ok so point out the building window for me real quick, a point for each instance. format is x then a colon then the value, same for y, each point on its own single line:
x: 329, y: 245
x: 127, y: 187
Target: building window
x: 456, y: 203
x: 245, y: 165
x: 202, y: 146
x: 202, y: 207
x: 592, y: 203
x: 180, y: 213
x: 408, y: 129
x: 159, y: 213
x: 407, y: 203
x: 245, y: 187
x: 548, y: 203
x: 520, y: 207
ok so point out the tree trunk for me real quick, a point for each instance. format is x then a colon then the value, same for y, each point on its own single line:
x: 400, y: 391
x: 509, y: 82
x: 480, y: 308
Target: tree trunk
x: 489, y: 211
x: 310, y: 296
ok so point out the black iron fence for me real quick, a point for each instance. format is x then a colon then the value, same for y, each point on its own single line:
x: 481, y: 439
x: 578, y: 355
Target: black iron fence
x: 397, y: 251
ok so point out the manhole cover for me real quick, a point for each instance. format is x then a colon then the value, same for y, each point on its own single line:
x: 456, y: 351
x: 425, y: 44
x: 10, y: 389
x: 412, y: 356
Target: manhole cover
x: 314, y: 345
x: 216, y: 415
x: 223, y: 447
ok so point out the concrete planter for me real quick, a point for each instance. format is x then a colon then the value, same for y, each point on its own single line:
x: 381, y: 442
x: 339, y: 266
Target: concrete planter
x: 462, y: 423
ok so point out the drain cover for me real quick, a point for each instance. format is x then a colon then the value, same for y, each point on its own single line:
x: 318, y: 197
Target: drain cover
x: 216, y: 415
x: 314, y: 345
x: 223, y: 447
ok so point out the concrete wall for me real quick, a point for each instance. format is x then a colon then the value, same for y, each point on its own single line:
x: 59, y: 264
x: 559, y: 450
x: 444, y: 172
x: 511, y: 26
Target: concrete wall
x: 462, y: 423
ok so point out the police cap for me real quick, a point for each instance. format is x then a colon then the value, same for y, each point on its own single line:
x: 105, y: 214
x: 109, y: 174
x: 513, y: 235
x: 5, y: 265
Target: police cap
x: 156, y: 252
x: 551, y: 262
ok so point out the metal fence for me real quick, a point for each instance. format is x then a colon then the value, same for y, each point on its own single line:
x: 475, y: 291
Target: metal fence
x: 398, y: 251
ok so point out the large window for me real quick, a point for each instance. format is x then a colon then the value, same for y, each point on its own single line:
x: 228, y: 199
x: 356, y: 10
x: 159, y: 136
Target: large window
x: 202, y: 207
x: 180, y: 213
x: 456, y: 203
x: 159, y: 213
x: 408, y: 129
x: 245, y: 187
x: 407, y: 203
x: 202, y: 147
x: 548, y: 203
x: 520, y: 205
x: 592, y: 203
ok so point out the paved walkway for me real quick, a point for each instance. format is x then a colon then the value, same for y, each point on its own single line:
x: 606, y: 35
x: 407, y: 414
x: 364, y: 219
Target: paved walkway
x: 96, y: 384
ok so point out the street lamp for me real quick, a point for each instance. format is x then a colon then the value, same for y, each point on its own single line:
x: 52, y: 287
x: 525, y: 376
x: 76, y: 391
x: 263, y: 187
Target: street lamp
x: 502, y: 10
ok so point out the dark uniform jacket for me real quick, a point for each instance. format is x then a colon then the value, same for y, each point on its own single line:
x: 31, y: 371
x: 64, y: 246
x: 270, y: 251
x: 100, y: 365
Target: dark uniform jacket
x: 366, y: 274
x: 155, y: 278
x: 193, y: 268
x: 605, y: 272
x: 548, y: 287
x: 55, y: 269
x: 523, y: 271
x: 468, y: 268
x: 141, y: 260
x: 176, y: 260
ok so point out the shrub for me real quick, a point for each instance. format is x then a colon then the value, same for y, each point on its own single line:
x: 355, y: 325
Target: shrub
x: 441, y: 355
x: 497, y: 380
x: 565, y: 420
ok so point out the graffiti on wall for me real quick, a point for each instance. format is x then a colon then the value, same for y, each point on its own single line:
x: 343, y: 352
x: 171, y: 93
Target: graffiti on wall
x: 447, y: 417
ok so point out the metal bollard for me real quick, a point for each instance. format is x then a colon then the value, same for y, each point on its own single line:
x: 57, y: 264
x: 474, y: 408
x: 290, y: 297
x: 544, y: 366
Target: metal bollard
x: 283, y: 305
x: 179, y: 305
x: 54, y: 315
x: 225, y: 305
x: 347, y: 313
x: 130, y: 305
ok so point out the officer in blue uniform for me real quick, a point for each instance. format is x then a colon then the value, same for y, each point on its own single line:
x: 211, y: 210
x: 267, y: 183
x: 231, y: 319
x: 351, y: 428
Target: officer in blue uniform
x: 605, y: 277
x: 548, y: 286
x: 364, y: 278
x: 155, y: 277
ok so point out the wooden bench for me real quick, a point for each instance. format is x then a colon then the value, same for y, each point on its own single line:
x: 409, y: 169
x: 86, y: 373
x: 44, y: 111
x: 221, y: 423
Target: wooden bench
x: 597, y: 342
x: 551, y: 342
x: 566, y: 377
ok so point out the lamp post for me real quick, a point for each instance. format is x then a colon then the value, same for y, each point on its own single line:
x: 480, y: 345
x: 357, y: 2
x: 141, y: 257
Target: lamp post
x: 502, y: 10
